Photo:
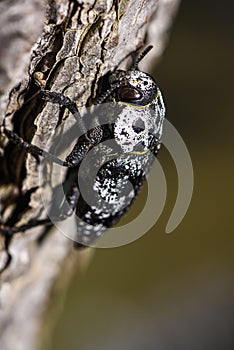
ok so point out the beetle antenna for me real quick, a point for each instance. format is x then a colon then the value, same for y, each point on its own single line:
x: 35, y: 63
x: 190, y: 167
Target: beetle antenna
x: 137, y: 60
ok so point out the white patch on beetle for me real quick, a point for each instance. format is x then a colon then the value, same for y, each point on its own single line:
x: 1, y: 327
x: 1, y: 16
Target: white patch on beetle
x: 141, y: 80
x: 124, y: 132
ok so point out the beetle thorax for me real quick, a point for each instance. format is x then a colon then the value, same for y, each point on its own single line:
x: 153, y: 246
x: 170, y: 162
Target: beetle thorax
x: 132, y: 127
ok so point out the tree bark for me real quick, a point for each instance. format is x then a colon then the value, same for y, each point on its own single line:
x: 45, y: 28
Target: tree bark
x: 72, y: 43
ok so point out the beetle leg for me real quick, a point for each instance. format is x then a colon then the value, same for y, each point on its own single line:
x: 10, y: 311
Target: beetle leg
x: 65, y: 101
x: 12, y: 136
x: 9, y: 231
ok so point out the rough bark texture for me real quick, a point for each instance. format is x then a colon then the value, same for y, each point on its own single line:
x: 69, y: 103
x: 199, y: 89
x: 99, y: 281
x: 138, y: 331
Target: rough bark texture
x: 73, y: 43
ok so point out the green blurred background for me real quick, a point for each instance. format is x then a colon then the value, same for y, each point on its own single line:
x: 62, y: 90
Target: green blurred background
x: 175, y: 291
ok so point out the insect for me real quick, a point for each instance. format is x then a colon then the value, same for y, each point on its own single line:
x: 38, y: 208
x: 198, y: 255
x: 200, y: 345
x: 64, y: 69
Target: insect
x: 118, y: 149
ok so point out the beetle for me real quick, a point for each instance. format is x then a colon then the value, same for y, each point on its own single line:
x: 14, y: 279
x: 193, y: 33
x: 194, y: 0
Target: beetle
x: 119, y: 150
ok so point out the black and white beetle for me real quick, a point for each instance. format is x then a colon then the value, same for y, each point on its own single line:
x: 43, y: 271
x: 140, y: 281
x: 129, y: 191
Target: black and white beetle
x: 134, y: 106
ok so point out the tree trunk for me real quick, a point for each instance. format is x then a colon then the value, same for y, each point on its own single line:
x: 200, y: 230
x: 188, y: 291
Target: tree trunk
x: 72, y: 44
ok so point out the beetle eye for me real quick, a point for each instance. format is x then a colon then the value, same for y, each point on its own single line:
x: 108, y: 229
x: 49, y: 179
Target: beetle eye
x: 128, y: 93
